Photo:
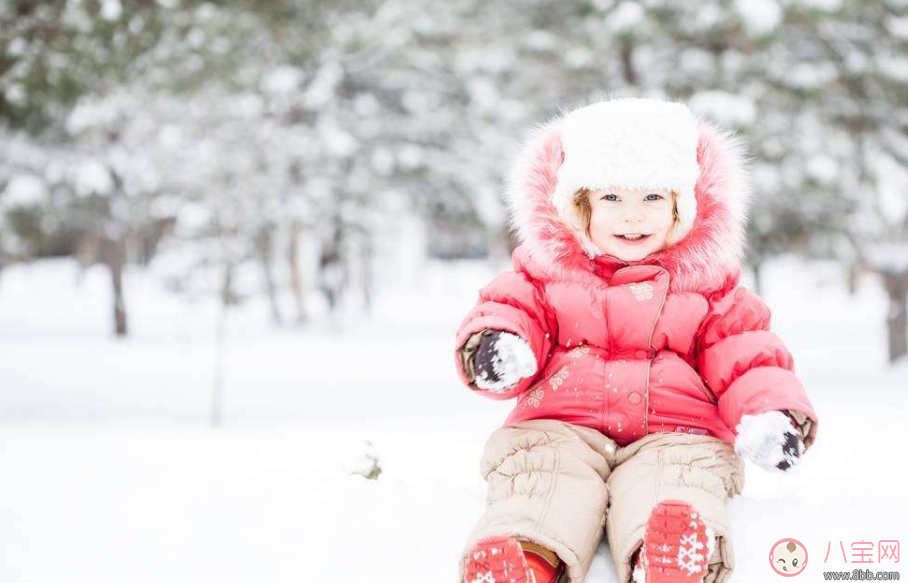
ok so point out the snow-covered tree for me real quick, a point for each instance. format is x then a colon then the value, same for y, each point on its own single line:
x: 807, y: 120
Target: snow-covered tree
x: 280, y: 133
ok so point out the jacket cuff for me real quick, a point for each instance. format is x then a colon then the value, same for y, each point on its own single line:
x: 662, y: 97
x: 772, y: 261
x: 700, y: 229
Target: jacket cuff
x: 769, y: 388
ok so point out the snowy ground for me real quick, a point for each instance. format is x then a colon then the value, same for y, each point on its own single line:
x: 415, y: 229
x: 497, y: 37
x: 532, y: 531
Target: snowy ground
x: 110, y: 472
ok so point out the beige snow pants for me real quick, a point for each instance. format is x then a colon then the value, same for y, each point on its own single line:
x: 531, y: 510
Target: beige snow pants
x: 559, y: 484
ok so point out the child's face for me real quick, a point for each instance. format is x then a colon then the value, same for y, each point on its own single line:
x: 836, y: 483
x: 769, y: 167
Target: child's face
x: 621, y: 211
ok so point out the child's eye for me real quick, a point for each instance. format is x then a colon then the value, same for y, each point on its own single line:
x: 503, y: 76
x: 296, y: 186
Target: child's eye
x: 609, y: 197
x: 658, y: 196
x: 794, y: 563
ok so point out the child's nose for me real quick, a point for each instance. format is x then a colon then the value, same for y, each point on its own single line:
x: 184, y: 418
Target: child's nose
x: 633, y: 217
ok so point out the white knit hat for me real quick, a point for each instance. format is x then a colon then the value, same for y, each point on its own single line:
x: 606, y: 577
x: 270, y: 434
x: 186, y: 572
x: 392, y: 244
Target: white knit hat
x: 631, y: 143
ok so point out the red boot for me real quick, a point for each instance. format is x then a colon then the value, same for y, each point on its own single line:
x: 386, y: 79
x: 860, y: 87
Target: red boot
x: 676, y: 546
x: 504, y: 559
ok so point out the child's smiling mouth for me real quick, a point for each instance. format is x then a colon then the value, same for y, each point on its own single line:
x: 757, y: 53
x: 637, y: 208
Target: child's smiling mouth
x: 632, y: 238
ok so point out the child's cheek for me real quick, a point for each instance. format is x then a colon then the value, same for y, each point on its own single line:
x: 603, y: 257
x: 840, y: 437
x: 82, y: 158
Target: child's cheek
x: 601, y: 225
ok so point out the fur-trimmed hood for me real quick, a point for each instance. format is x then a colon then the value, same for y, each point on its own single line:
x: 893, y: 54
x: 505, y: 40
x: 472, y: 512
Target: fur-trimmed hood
x: 707, y: 260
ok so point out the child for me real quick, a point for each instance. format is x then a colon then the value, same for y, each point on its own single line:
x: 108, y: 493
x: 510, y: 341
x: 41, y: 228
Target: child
x: 641, y: 368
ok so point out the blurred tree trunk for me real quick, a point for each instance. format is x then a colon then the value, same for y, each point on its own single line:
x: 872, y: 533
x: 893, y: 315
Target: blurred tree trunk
x: 228, y: 298
x: 896, y: 284
x: 94, y: 247
x: 627, y: 61
x: 756, y: 266
x: 293, y: 263
x: 332, y: 263
x: 264, y: 242
x: 112, y: 253
x: 853, y: 277
x: 368, y: 251
x: 217, y: 385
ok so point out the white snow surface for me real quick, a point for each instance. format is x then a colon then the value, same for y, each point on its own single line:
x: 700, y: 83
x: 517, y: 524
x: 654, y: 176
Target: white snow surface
x: 110, y: 472
x: 513, y: 361
x: 761, y: 437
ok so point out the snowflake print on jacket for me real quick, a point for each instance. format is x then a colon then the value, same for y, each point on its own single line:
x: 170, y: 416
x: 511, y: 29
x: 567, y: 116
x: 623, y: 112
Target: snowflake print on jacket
x: 579, y: 351
x: 558, y: 378
x: 643, y: 291
x: 532, y: 398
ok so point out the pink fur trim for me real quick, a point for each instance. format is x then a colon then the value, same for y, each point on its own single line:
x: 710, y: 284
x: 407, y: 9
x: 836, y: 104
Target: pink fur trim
x: 706, y: 260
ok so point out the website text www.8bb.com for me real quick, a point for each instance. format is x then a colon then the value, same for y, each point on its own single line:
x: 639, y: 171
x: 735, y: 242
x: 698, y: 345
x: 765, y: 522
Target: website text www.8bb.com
x: 861, y: 575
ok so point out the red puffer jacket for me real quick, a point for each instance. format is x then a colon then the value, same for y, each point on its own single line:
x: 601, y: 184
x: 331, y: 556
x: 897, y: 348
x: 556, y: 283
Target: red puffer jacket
x: 670, y: 343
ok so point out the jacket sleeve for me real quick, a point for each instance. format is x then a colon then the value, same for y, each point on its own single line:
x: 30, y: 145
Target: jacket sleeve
x: 514, y: 303
x: 747, y: 366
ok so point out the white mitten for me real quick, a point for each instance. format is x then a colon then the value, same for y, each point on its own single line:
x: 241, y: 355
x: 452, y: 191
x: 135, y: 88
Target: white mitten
x: 502, y: 360
x: 769, y: 439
